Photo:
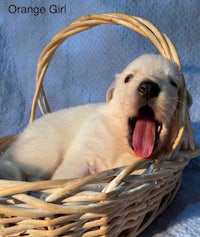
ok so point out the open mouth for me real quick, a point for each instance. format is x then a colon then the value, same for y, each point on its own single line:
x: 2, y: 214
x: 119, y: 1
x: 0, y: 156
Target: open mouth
x: 144, y: 132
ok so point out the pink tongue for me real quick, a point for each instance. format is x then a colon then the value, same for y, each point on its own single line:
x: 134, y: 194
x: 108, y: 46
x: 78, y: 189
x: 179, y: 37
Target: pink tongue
x: 144, y: 136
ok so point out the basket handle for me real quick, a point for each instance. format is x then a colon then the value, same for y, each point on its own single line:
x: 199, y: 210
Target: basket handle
x: 140, y: 25
x: 137, y: 24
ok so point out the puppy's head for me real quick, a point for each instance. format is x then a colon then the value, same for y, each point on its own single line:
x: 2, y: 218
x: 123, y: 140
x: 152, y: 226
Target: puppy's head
x: 145, y: 95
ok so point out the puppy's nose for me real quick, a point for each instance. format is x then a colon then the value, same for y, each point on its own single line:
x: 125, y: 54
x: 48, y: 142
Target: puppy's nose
x: 148, y: 89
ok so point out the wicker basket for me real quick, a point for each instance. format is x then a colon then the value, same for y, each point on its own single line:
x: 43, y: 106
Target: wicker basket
x: 128, y: 203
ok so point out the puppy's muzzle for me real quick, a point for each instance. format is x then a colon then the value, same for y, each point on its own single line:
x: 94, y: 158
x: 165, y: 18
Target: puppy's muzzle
x: 148, y: 89
x: 144, y: 129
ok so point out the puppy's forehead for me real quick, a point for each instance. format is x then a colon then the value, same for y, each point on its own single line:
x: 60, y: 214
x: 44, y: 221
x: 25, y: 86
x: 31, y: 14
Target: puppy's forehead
x: 154, y: 65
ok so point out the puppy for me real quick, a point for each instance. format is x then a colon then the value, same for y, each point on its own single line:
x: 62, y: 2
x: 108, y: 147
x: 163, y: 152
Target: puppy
x: 134, y: 123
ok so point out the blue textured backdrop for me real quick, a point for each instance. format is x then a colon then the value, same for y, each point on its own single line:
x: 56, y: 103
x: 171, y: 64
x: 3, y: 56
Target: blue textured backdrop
x: 85, y: 65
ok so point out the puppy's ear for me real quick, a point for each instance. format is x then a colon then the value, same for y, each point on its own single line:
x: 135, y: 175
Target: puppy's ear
x: 189, y: 99
x: 110, y: 91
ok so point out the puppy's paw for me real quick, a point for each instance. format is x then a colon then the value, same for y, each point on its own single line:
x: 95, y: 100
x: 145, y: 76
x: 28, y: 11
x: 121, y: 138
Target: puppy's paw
x: 10, y: 171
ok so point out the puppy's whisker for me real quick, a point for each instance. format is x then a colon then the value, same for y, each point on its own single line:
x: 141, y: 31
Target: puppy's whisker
x: 181, y: 102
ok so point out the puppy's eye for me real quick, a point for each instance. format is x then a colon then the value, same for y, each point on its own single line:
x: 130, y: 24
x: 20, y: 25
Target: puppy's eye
x: 128, y: 78
x: 173, y: 83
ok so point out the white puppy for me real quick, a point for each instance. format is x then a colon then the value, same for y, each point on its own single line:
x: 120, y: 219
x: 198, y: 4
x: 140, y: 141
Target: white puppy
x: 75, y: 142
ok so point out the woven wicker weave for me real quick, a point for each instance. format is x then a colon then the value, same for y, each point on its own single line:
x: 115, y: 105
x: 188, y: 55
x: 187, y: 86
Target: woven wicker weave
x: 128, y: 203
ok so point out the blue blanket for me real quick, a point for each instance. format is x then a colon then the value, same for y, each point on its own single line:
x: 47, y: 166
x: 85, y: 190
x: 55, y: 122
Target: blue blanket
x: 85, y: 65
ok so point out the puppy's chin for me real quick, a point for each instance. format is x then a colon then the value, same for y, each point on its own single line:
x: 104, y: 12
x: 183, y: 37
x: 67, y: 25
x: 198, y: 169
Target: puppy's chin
x: 147, y: 136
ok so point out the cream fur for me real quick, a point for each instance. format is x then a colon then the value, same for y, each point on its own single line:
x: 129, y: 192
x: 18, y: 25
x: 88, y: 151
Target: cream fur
x: 83, y: 140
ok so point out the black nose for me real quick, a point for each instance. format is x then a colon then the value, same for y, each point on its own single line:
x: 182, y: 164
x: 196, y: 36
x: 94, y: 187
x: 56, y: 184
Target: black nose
x: 148, y: 89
